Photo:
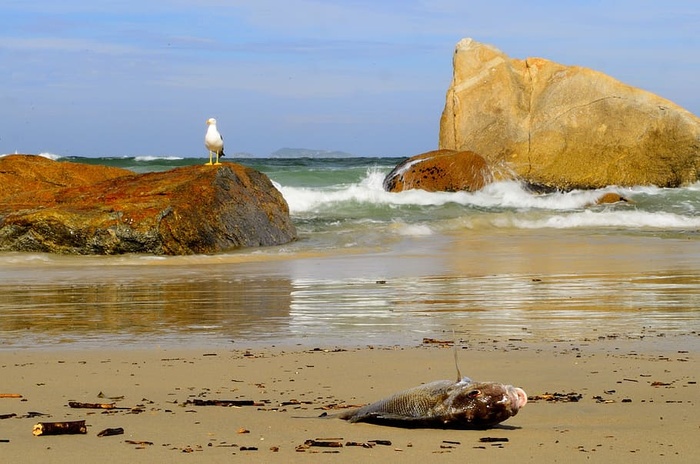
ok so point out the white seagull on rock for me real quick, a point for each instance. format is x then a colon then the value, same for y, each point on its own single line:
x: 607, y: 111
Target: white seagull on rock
x: 213, y: 141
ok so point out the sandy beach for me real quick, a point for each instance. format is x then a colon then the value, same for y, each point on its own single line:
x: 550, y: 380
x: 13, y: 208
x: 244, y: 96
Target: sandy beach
x: 638, y: 400
x: 607, y: 319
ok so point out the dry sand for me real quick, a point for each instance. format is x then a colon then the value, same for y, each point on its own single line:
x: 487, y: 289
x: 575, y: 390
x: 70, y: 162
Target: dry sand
x: 640, y: 402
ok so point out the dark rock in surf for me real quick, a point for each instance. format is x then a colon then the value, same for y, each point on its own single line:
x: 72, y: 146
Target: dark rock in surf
x: 73, y: 208
x: 611, y: 197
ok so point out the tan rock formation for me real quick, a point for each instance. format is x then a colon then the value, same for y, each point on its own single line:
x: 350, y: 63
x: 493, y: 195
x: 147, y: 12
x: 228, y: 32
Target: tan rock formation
x: 79, y: 209
x: 565, y: 126
x: 440, y: 171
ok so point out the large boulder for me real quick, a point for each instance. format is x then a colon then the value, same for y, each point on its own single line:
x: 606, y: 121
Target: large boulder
x: 28, y: 173
x: 565, y: 126
x: 440, y: 171
x: 61, y: 207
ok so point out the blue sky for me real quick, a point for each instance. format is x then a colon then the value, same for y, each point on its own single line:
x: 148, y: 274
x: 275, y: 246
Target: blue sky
x: 129, y: 78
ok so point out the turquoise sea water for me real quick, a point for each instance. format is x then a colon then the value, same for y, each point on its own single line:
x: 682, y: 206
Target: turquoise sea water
x: 372, y: 267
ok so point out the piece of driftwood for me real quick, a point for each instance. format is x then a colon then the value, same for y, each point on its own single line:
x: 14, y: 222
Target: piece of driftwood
x: 198, y: 402
x: 493, y: 440
x: 77, y: 404
x: 111, y: 432
x: 294, y: 403
x: 362, y: 444
x: 10, y: 395
x: 60, y: 428
x: 380, y: 442
x: 324, y: 443
x: 8, y: 416
x: 435, y: 341
x: 138, y: 442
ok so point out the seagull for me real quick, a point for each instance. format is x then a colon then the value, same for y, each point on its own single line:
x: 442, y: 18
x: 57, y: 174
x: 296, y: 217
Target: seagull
x: 213, y: 141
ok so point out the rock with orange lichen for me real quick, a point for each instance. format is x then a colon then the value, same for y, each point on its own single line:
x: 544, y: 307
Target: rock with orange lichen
x: 61, y: 207
x: 23, y: 173
x: 440, y: 171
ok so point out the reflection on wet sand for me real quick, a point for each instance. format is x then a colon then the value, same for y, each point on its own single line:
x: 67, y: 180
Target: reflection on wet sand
x: 545, y: 284
x: 558, y: 306
x: 157, y: 311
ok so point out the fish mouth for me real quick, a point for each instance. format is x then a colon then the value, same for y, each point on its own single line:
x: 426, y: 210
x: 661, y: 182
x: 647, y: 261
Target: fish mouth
x: 518, y: 397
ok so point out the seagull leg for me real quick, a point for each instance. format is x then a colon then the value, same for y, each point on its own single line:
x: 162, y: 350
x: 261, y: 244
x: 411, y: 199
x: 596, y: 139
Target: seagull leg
x: 209, y: 163
x: 217, y: 158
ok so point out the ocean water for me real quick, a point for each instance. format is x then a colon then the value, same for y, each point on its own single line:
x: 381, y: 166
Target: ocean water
x: 372, y: 267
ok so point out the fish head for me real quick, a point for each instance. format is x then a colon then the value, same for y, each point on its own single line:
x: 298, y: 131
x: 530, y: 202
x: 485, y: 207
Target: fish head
x: 482, y: 405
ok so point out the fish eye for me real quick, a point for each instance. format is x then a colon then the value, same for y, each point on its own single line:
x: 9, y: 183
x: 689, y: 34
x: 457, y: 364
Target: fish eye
x: 474, y: 393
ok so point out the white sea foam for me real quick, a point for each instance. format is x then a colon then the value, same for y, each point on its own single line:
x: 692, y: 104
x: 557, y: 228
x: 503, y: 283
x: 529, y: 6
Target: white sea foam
x: 599, y: 219
x: 157, y: 158
x: 694, y: 187
x: 497, y: 195
x: 413, y: 230
x: 616, y: 219
x: 501, y: 205
x: 51, y: 156
x: 305, y: 199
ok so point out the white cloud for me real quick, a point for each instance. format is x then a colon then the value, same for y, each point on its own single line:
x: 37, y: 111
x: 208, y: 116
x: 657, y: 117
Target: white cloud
x: 59, y: 44
x: 296, y: 81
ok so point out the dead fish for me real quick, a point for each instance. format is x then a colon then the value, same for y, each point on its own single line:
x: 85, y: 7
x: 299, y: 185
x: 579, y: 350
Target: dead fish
x: 464, y: 404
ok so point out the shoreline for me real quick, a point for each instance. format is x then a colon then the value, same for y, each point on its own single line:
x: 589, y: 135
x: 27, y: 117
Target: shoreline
x: 639, y: 400
x: 534, y: 286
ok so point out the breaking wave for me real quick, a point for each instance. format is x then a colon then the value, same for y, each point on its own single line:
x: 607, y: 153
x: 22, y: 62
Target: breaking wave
x: 506, y: 204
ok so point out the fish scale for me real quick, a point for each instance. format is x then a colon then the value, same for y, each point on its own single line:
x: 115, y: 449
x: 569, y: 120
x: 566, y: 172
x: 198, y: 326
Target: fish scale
x: 416, y: 402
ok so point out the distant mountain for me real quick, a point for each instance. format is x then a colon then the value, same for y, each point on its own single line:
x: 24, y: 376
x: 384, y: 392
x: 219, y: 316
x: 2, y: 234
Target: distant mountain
x: 308, y: 153
x: 241, y: 154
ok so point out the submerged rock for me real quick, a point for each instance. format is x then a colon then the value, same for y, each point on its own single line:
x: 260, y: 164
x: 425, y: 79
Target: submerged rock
x: 563, y: 126
x: 61, y: 207
x: 611, y: 197
x: 440, y: 171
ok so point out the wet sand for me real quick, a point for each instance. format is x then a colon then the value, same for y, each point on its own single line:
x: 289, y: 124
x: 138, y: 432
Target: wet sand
x: 542, y: 285
x: 639, y: 401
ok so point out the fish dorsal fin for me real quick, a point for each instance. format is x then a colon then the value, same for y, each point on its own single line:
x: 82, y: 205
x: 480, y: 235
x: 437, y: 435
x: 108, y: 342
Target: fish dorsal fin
x: 454, y: 351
